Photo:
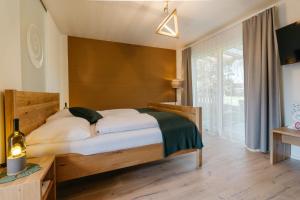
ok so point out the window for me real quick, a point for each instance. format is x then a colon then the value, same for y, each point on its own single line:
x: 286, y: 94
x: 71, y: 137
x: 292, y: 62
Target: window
x: 218, y: 83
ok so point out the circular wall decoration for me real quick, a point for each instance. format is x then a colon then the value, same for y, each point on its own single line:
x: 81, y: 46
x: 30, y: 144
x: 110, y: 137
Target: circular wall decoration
x: 35, y: 46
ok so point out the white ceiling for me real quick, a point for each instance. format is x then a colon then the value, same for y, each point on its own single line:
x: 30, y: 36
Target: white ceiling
x: 135, y: 22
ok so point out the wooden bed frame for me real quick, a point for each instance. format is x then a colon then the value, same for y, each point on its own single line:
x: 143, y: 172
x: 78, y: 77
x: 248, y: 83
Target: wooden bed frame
x: 33, y: 108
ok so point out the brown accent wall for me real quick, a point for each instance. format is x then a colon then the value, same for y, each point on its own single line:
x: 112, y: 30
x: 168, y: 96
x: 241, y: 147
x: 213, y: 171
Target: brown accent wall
x: 105, y: 75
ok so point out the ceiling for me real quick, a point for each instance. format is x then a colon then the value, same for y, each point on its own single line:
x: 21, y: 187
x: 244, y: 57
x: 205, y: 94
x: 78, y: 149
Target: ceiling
x: 135, y: 22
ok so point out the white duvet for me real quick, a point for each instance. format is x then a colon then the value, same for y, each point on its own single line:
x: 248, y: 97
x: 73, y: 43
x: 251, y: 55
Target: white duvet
x: 119, y: 123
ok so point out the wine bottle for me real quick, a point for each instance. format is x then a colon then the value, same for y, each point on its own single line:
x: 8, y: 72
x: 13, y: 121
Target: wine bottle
x: 16, y: 159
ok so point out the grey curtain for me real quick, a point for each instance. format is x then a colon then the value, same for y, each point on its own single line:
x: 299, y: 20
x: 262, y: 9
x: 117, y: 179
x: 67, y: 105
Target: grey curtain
x: 187, y: 92
x: 262, y: 80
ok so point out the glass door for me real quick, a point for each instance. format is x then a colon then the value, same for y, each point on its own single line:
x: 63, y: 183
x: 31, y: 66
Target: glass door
x: 233, y: 122
x: 218, y: 84
x: 207, y: 90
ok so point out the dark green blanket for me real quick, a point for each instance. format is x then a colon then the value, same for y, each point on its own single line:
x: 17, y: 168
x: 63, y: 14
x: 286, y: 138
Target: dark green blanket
x: 178, y: 132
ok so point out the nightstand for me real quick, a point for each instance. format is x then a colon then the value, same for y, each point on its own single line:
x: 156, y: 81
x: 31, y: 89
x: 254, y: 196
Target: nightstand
x: 38, y: 186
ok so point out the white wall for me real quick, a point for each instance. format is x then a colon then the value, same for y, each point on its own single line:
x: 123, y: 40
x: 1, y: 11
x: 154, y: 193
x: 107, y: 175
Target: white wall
x: 10, y: 60
x: 52, y: 76
x: 56, y: 68
x: 32, y: 13
x: 288, y: 13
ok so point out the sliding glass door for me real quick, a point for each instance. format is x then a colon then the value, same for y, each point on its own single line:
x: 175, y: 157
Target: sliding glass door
x: 218, y: 84
x: 233, y: 94
x: 207, y: 89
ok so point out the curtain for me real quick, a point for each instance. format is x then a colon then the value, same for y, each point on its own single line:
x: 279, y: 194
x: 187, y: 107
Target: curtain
x: 262, y: 80
x: 187, y: 92
x: 218, y: 83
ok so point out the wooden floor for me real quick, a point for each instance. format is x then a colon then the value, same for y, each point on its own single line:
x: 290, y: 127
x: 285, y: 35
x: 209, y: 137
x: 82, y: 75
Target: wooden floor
x: 229, y: 172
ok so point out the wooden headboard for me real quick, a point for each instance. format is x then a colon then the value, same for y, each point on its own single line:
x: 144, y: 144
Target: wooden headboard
x: 32, y: 108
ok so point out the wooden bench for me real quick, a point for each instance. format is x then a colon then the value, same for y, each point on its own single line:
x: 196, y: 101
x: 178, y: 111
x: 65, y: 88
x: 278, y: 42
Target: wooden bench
x: 281, y: 141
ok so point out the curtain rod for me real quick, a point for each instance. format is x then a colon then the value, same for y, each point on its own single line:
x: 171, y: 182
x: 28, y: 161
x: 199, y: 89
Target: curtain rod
x: 206, y: 37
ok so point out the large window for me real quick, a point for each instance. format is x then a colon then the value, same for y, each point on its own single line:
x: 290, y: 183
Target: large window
x: 218, y: 83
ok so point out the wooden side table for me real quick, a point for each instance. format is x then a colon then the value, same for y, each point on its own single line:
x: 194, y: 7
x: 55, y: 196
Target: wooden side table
x: 38, y: 186
x: 281, y: 141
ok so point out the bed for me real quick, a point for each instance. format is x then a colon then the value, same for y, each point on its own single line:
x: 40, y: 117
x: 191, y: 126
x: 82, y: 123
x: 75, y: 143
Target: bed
x: 33, y: 108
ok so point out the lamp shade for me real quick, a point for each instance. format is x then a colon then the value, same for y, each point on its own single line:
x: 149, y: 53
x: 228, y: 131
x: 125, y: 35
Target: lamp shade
x: 176, y: 83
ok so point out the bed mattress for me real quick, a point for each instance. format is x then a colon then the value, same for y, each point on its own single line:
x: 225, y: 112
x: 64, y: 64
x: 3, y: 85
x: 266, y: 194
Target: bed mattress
x: 99, y: 143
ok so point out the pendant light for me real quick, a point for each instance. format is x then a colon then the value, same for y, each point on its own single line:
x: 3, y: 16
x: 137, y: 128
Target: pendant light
x: 169, y: 26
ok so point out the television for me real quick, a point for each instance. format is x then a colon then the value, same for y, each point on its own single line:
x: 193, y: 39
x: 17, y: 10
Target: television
x: 288, y: 39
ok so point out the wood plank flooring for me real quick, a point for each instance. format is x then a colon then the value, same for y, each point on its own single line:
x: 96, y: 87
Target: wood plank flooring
x: 229, y: 172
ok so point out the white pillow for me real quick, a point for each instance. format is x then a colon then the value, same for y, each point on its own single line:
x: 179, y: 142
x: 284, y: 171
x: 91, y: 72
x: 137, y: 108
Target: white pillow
x: 120, y: 111
x: 60, y: 114
x: 62, y: 130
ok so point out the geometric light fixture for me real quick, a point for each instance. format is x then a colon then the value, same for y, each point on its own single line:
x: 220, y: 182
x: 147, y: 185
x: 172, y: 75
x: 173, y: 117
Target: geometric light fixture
x: 169, y: 26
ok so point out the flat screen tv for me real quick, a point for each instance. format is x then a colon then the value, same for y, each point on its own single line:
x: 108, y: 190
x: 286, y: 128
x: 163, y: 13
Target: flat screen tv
x: 288, y: 39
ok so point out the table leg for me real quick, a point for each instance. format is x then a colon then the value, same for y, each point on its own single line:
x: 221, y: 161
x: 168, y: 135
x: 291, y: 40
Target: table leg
x: 279, y: 151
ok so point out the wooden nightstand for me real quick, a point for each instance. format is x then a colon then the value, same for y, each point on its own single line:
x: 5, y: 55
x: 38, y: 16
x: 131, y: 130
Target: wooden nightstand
x: 38, y: 186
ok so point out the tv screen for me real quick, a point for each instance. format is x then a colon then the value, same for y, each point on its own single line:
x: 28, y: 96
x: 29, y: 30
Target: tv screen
x: 288, y: 39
